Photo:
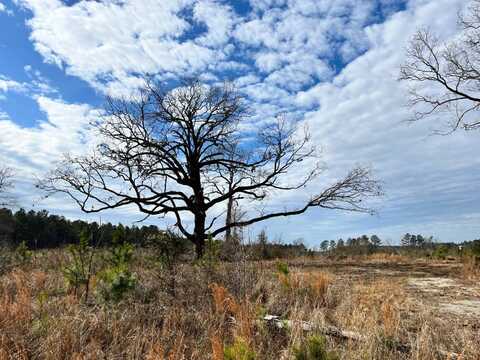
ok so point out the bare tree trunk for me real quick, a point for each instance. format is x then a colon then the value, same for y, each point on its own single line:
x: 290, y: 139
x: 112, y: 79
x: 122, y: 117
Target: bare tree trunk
x: 230, y: 203
x: 228, y: 232
x: 199, y: 235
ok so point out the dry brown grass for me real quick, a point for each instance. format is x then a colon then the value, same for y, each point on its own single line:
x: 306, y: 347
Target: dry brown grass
x: 471, y: 268
x: 386, y: 258
x: 217, y: 347
x: 209, y: 310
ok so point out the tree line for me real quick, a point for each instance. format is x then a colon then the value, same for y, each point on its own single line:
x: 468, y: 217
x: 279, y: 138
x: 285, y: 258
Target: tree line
x: 40, y: 230
x: 416, y: 240
x: 363, y: 241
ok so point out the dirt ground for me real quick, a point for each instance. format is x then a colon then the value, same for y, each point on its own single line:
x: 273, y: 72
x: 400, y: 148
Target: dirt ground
x: 436, y: 285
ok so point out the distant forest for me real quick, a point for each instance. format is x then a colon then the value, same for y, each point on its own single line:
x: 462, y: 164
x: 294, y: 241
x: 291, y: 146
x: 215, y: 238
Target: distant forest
x: 40, y: 230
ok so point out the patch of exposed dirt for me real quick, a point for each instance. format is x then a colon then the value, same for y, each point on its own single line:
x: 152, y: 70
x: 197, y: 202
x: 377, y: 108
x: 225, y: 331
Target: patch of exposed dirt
x: 432, y: 284
x: 435, y: 285
x: 419, y: 268
x: 462, y: 308
x: 448, y: 295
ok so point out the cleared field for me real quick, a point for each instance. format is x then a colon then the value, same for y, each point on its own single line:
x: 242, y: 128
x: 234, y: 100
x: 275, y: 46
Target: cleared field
x: 386, y: 307
x: 437, y: 285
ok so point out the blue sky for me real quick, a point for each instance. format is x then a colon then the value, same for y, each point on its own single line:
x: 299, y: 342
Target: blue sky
x: 330, y: 64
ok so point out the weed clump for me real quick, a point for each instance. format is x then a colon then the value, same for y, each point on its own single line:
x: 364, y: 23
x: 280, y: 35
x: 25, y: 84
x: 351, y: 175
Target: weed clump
x: 80, y: 270
x: 117, y: 279
x: 314, y: 349
x: 239, y: 350
x: 441, y: 252
x: 23, y: 254
x: 282, y: 268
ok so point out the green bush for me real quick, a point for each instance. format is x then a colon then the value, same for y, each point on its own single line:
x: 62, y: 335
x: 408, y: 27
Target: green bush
x: 116, y: 279
x: 116, y: 282
x: 23, y: 254
x: 473, y: 249
x: 79, y: 271
x: 314, y: 349
x: 282, y: 268
x: 440, y: 252
x: 239, y: 350
x: 120, y: 254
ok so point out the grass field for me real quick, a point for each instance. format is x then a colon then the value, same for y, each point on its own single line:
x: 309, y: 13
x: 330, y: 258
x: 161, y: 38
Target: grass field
x: 376, y: 307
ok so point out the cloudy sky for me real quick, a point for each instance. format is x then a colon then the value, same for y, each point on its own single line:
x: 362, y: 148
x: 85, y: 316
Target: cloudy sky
x: 330, y: 63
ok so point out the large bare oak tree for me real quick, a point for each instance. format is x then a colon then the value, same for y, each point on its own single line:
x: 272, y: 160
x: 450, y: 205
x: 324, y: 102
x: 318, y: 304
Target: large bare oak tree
x: 445, y: 77
x: 183, y: 153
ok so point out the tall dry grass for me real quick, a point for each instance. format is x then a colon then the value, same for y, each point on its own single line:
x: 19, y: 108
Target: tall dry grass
x: 210, y: 311
x: 471, y: 268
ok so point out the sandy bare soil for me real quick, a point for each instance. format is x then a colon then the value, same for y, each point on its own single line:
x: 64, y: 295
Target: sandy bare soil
x: 449, y: 296
x: 435, y: 285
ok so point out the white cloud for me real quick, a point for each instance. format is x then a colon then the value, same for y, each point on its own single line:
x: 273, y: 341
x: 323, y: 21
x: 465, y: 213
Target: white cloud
x: 37, y: 86
x: 297, y: 39
x: 268, y: 61
x: 34, y: 150
x: 91, y: 39
x: 7, y: 84
x: 219, y: 20
x: 300, y: 73
x: 247, y: 80
x: 103, y: 42
x: 265, y: 92
x: 4, y: 9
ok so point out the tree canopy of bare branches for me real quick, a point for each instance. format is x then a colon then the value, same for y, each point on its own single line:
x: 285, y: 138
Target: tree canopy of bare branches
x: 183, y: 153
x: 445, y: 77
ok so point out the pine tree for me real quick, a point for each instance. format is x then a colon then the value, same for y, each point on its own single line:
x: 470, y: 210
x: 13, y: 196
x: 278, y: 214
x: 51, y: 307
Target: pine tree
x: 324, y: 245
x: 405, y: 241
x: 375, y: 240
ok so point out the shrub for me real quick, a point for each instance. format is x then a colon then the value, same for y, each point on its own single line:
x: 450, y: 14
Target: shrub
x: 282, y: 268
x: 471, y: 267
x: 474, y: 248
x: 168, y: 248
x: 472, y: 251
x: 120, y: 254
x: 283, y: 274
x: 231, y: 248
x: 390, y: 317
x: 23, y: 254
x: 223, y: 301
x: 239, y: 350
x: 314, y: 349
x: 79, y: 271
x: 440, y: 252
x: 116, y: 279
x: 211, y: 257
x: 116, y: 282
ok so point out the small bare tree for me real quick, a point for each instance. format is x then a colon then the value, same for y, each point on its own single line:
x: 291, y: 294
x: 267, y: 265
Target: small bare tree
x: 6, y: 175
x: 445, y: 77
x: 174, y: 152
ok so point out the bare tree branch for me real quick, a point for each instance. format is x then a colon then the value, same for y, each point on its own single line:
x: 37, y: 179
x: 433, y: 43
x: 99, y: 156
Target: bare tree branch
x: 446, y: 77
